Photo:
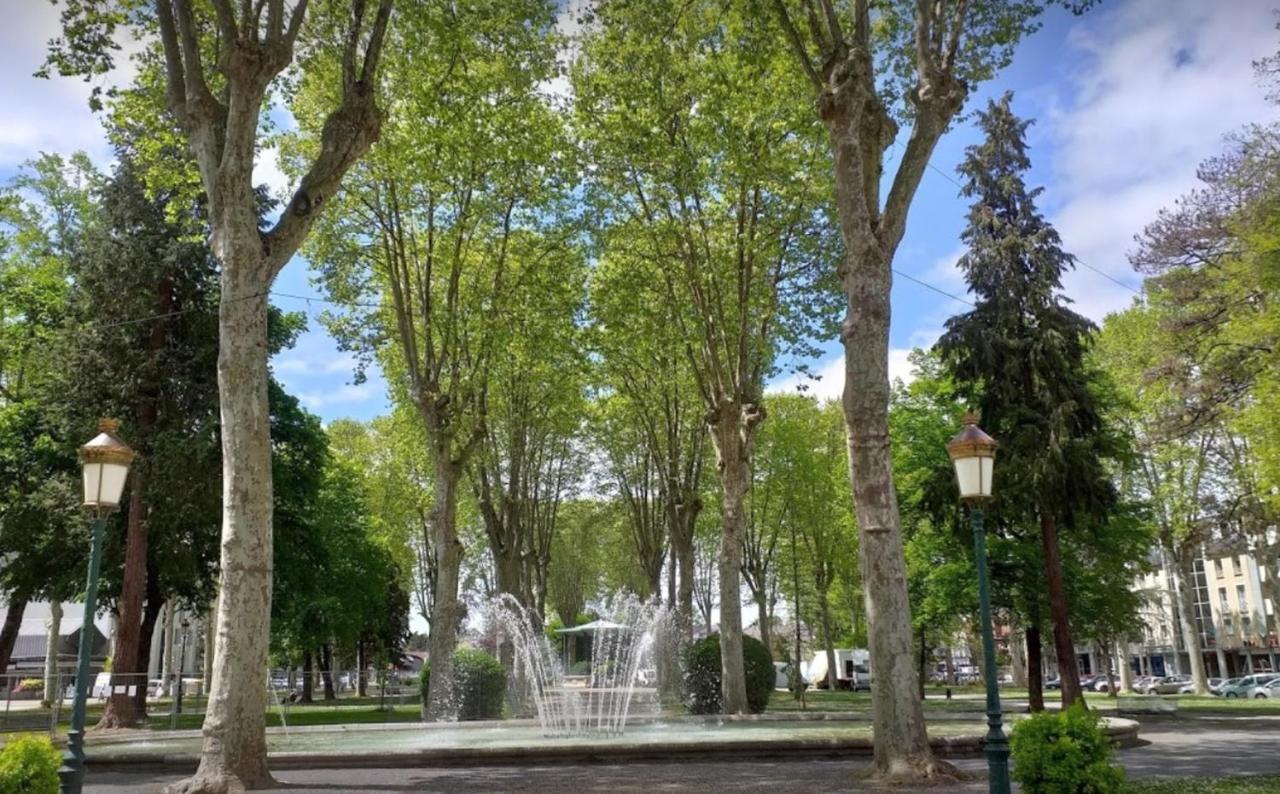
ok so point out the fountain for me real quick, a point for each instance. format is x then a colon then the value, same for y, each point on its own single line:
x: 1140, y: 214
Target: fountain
x: 620, y: 644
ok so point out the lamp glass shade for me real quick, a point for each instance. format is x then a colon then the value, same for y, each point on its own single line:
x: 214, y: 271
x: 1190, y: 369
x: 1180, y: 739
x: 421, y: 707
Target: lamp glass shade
x: 105, y: 463
x: 104, y: 484
x: 973, y: 453
x: 973, y: 475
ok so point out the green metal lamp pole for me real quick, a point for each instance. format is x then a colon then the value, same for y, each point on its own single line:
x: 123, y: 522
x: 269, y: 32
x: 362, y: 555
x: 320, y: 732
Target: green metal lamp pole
x: 105, y: 466
x: 973, y: 453
x: 72, y: 771
x: 997, y: 746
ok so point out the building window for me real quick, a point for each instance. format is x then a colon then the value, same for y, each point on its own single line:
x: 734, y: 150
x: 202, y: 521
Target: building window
x: 1241, y: 600
x: 1217, y: 568
x: 1222, y: 600
x: 1235, y: 565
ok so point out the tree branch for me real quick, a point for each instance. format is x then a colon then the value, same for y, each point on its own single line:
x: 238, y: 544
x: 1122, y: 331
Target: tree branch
x: 376, y: 37
x: 797, y: 45
x: 175, y: 80
x: 226, y: 21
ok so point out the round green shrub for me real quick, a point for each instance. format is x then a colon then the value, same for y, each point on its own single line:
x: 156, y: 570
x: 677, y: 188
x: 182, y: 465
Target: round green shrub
x: 479, y: 684
x: 701, y: 662
x: 29, y: 765
x: 1064, y: 753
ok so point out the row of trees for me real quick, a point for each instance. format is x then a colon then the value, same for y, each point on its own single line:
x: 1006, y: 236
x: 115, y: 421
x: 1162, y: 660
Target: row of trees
x: 110, y: 304
x: 722, y: 167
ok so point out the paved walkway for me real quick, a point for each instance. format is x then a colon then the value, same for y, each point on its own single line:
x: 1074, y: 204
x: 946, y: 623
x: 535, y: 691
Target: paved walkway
x: 1177, y: 748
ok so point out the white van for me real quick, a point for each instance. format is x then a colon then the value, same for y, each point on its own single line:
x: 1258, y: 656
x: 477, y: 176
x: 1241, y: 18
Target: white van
x: 853, y: 669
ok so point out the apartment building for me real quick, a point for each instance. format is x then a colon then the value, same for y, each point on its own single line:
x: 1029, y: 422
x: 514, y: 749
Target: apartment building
x: 1234, y: 611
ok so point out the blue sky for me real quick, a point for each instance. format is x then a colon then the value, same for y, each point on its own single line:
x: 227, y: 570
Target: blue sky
x: 1128, y: 100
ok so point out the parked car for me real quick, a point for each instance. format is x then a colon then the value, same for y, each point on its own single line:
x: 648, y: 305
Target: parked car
x: 1270, y: 689
x: 1169, y: 685
x: 1053, y: 683
x: 1189, y: 687
x: 1103, y: 684
x: 1241, y: 687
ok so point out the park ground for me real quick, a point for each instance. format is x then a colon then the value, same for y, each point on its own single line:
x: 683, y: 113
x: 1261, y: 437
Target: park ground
x: 1180, y: 755
x: 1205, y: 745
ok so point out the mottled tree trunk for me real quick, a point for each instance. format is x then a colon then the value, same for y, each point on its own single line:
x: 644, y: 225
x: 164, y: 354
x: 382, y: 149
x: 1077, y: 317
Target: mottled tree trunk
x: 150, y: 616
x: 9, y: 633
x: 127, y: 667
x: 1035, y: 669
x: 682, y: 552
x: 762, y: 617
x: 902, y: 744
x: 166, y: 648
x: 1183, y: 586
x: 828, y: 641
x: 308, y: 677
x: 210, y: 640
x: 326, y: 672
x: 1018, y: 658
x: 362, y: 665
x: 732, y: 438
x: 923, y: 669
x: 1122, y: 667
x: 234, y: 746
x: 53, y: 643
x: 448, y: 550
x: 1060, y: 613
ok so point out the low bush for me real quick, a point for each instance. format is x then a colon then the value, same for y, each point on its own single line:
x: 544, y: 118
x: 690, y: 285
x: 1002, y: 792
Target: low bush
x: 701, y: 661
x: 30, y: 685
x: 29, y: 766
x: 1066, y: 752
x: 479, y: 684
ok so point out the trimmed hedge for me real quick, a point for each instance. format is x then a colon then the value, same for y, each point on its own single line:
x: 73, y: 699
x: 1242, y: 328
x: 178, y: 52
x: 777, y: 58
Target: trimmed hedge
x: 702, y: 687
x: 1066, y: 752
x: 29, y: 766
x: 479, y: 684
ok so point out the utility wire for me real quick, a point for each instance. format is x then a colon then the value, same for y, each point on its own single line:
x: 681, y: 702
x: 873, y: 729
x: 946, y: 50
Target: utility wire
x: 1081, y: 262
x: 179, y: 312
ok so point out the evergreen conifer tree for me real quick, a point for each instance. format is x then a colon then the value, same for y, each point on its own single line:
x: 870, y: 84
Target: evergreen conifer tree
x: 1020, y: 357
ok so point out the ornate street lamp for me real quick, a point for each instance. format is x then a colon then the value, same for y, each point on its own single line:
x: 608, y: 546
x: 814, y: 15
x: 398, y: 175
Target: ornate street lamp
x: 105, y: 461
x: 973, y: 453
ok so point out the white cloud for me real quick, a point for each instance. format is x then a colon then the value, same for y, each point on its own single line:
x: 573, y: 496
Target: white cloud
x: 266, y: 170
x: 336, y: 364
x: 827, y: 379
x: 1154, y: 87
x: 47, y: 115
x: 343, y: 395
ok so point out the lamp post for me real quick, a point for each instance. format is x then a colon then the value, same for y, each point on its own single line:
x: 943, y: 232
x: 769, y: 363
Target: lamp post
x: 105, y: 466
x: 973, y: 453
x: 182, y: 660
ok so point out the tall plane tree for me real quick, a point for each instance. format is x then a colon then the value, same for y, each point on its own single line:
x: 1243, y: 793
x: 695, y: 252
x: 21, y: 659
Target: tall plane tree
x: 1020, y: 355
x: 641, y: 359
x: 435, y: 229
x: 707, y: 164
x: 220, y: 61
x: 913, y: 62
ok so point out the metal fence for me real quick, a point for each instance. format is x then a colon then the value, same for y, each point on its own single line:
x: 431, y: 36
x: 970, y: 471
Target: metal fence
x: 30, y: 706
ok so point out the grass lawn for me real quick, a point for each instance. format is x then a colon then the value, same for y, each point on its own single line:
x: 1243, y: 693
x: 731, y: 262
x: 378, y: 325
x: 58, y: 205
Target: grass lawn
x: 1256, y: 784
x: 971, y: 699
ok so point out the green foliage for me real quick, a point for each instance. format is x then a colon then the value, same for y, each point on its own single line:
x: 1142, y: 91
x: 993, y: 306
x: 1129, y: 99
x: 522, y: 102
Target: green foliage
x: 29, y: 765
x: 336, y: 580
x: 1064, y: 752
x: 479, y: 684
x: 701, y: 667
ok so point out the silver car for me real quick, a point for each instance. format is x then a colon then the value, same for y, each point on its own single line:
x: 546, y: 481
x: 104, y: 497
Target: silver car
x: 1169, y: 685
x: 1266, y: 689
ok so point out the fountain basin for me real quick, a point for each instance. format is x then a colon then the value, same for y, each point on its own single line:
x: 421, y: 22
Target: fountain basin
x: 482, y: 743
